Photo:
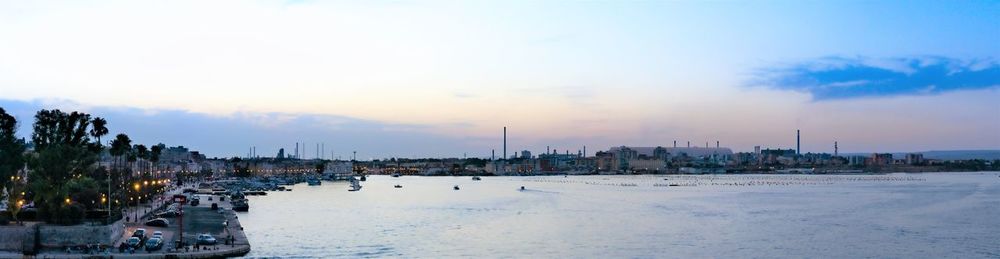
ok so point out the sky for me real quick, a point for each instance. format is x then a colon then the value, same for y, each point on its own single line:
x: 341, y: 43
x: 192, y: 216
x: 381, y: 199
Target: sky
x: 442, y: 78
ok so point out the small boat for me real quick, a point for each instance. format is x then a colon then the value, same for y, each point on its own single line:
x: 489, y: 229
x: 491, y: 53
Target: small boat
x: 476, y: 178
x: 398, y: 186
x: 363, y: 178
x: 241, y: 205
x: 395, y: 175
x: 673, y: 184
x: 456, y: 187
x: 314, y: 182
x: 522, y: 188
x: 355, y: 186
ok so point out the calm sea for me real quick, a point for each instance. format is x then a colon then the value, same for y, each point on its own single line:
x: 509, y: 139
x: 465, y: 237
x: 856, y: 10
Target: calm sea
x: 898, y: 215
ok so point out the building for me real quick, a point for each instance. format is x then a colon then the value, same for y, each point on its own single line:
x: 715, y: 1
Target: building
x: 915, y: 159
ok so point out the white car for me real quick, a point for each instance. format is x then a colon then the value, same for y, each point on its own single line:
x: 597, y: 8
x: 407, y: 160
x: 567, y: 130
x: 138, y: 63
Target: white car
x: 157, y: 234
x: 206, y: 239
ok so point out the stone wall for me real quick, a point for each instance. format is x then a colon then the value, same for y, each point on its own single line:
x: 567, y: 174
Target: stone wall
x: 53, y: 236
x: 12, y: 237
x: 15, y: 238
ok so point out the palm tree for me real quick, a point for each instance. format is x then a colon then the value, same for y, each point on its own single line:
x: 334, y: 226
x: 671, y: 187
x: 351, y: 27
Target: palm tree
x: 120, y: 146
x: 98, y: 129
x: 154, y: 154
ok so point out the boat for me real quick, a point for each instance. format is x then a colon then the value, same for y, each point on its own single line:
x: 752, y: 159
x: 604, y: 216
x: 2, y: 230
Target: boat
x: 314, y: 182
x: 522, y: 188
x: 355, y: 186
x: 241, y: 205
x: 456, y: 187
x: 363, y: 178
x: 398, y: 186
x: 476, y: 178
x: 395, y: 175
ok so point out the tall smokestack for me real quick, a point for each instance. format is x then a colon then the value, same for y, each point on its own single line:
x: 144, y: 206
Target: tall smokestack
x: 505, y: 143
x: 798, y: 143
x: 296, y: 150
x: 689, y: 144
x: 493, y: 154
x: 675, y: 144
x: 547, y: 150
x: 584, y: 151
x: 835, y: 149
x: 716, y: 144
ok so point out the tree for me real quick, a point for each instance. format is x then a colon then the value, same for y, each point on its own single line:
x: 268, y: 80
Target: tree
x: 99, y: 129
x: 120, y: 146
x: 11, y: 148
x: 11, y: 162
x: 154, y: 154
x: 62, y: 153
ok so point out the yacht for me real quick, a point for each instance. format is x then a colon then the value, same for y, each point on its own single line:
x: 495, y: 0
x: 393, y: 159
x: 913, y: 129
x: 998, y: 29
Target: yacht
x: 476, y: 178
x: 314, y: 182
x: 398, y: 186
x: 395, y: 175
x: 456, y: 187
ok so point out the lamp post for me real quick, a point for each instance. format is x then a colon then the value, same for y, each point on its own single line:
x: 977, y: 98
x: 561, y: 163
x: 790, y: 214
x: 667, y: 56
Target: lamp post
x: 136, y: 187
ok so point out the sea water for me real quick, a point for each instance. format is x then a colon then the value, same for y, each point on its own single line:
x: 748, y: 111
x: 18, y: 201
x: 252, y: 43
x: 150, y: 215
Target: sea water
x: 931, y: 215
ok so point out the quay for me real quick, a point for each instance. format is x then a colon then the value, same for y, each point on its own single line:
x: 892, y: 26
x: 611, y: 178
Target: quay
x: 201, y: 219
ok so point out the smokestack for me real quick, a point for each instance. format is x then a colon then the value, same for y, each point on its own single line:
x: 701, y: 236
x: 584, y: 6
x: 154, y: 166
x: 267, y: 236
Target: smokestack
x: 504, y: 143
x: 689, y: 144
x: 675, y: 144
x: 716, y: 144
x: 493, y: 154
x: 547, y: 150
x: 798, y: 143
x: 584, y: 151
x: 296, y: 150
x: 835, y: 149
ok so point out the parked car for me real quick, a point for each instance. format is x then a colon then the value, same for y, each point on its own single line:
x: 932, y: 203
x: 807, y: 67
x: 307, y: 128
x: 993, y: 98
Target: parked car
x: 154, y: 244
x: 157, y: 234
x: 206, y: 239
x: 140, y: 233
x: 195, y: 201
x: 215, y: 206
x: 158, y: 222
x: 167, y: 214
x: 133, y: 242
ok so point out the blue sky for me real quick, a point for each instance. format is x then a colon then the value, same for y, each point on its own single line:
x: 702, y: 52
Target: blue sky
x: 440, y: 78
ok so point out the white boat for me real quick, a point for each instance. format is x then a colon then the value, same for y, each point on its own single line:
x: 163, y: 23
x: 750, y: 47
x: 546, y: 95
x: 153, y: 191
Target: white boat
x: 355, y: 186
x: 476, y: 178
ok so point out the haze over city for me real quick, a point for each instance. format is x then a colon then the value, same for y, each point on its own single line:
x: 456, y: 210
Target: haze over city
x: 441, y: 79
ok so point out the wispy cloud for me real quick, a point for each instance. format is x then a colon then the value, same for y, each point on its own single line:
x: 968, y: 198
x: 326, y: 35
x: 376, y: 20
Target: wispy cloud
x: 833, y: 78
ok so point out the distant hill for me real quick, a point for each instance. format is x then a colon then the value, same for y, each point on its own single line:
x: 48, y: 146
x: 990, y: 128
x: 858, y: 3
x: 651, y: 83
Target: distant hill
x: 948, y: 154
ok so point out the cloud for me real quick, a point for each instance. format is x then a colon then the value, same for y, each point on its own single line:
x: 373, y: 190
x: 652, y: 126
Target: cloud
x: 233, y: 134
x: 835, y: 78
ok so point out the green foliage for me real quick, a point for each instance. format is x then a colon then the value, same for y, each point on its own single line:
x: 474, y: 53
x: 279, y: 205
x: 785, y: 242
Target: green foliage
x: 84, y: 191
x: 11, y: 148
x: 63, y: 152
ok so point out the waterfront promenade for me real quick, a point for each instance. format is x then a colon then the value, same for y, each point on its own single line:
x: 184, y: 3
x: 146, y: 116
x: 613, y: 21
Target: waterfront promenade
x: 197, y: 220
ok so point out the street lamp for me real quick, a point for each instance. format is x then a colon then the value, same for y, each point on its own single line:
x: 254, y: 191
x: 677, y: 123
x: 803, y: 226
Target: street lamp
x: 136, y: 209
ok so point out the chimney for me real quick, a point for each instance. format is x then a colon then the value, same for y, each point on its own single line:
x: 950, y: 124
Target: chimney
x: 798, y: 143
x: 689, y: 144
x: 716, y: 144
x: 675, y: 144
x: 835, y: 149
x: 504, y: 143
